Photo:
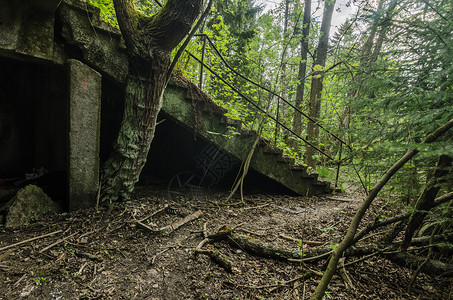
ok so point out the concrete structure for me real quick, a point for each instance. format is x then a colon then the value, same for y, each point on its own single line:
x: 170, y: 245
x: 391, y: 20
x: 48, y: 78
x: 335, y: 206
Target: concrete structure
x: 84, y: 134
x: 59, y: 62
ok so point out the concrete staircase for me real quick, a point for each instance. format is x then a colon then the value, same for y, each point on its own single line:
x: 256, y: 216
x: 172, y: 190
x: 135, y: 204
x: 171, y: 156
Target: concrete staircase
x: 183, y: 100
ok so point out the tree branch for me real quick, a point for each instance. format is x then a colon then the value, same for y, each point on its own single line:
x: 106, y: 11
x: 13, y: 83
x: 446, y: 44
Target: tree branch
x: 346, y: 242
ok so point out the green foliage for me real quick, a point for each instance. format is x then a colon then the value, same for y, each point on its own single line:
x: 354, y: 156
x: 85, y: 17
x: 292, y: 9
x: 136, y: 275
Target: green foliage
x: 40, y: 280
x: 107, y: 11
x: 398, y: 93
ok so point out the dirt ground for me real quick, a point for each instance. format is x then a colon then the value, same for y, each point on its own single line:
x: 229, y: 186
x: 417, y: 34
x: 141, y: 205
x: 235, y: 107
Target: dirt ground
x: 104, y: 254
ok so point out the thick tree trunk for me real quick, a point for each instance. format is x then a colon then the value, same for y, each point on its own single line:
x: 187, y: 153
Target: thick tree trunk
x: 144, y: 90
x: 314, y: 104
x: 149, y: 42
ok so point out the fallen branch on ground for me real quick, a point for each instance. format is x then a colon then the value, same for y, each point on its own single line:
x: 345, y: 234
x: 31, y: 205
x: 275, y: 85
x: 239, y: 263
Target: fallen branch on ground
x: 30, y: 240
x: 263, y: 249
x: 175, y: 225
x: 220, y: 259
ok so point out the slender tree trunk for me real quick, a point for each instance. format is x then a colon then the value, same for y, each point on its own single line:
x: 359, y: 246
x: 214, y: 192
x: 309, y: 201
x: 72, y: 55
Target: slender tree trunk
x: 367, y: 47
x: 284, y: 64
x: 149, y: 42
x: 426, y: 200
x: 297, y: 125
x: 281, y: 113
x: 385, y: 25
x: 316, y: 83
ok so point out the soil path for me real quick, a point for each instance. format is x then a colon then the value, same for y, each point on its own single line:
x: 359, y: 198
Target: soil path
x: 104, y: 254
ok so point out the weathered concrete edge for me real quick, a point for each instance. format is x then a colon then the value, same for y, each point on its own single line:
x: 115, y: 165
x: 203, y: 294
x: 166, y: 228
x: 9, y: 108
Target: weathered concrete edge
x: 84, y: 134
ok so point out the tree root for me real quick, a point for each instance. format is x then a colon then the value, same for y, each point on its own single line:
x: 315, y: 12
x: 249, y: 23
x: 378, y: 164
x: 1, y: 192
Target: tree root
x: 259, y: 248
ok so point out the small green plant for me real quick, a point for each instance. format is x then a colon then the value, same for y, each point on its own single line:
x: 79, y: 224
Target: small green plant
x: 301, y: 247
x: 40, y: 280
x: 327, y: 229
x: 68, y: 247
x: 328, y: 295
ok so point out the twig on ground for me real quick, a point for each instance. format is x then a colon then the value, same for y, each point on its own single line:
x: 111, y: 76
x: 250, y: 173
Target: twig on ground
x: 340, y: 199
x: 30, y: 240
x: 82, y: 267
x: 20, y: 279
x: 205, y: 230
x: 252, y: 232
x: 237, y: 226
x: 159, y: 253
x: 344, y: 274
x: 175, y: 225
x: 362, y: 258
x: 57, y: 242
x: 253, y: 207
x: 310, y: 258
x: 154, y: 213
x: 202, y: 243
x: 6, y: 254
x: 89, y: 256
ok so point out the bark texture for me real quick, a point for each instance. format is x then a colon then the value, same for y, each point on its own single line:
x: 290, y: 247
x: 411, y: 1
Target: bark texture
x: 425, y: 201
x: 149, y: 42
x: 297, y: 125
x: 314, y: 104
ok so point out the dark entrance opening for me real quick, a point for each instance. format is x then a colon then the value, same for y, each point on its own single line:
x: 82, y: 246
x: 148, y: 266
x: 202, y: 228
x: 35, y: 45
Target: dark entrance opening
x: 33, y: 127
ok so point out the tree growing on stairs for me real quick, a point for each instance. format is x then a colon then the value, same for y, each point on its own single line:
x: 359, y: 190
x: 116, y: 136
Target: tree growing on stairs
x: 149, y: 42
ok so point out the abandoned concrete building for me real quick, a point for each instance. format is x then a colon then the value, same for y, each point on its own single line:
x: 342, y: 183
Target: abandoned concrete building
x: 61, y: 91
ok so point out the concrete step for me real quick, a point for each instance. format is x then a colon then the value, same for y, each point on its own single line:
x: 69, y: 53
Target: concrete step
x: 273, y: 151
x: 321, y: 187
x: 287, y: 160
x: 299, y: 168
x: 231, y: 122
x: 313, y: 176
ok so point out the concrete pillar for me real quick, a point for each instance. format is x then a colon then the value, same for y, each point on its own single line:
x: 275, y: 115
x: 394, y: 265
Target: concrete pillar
x: 84, y: 132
